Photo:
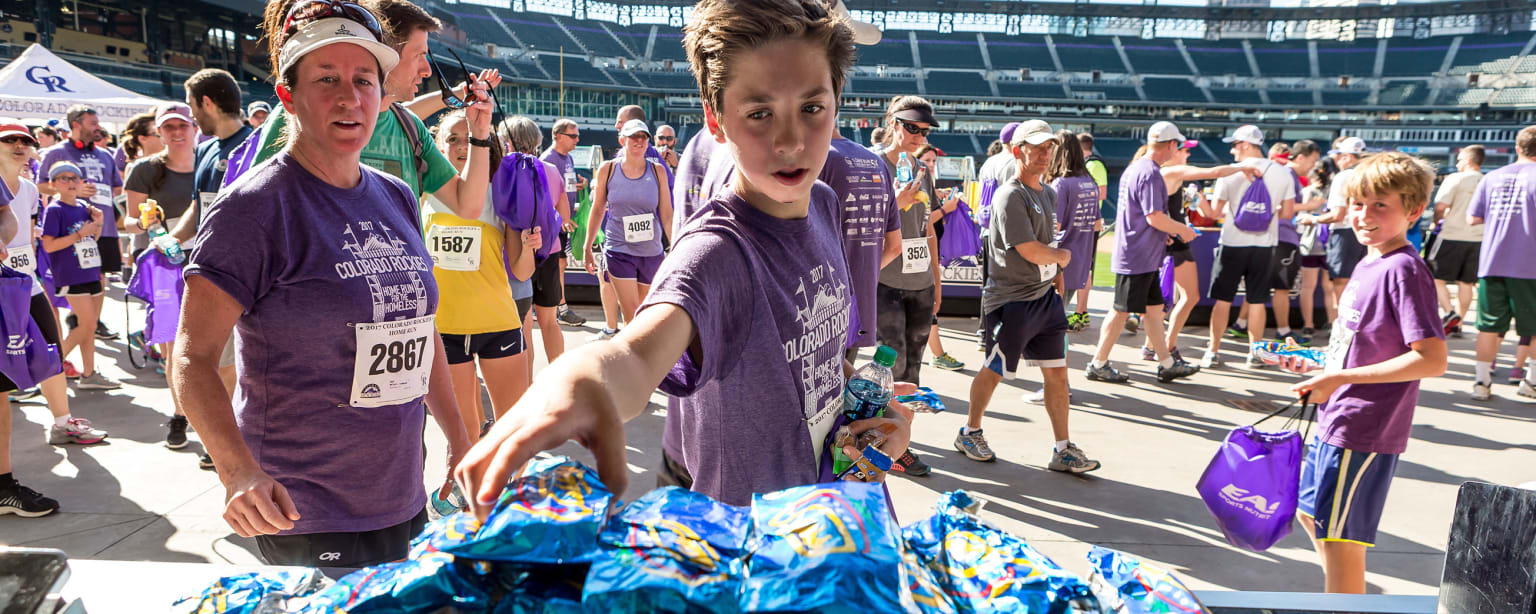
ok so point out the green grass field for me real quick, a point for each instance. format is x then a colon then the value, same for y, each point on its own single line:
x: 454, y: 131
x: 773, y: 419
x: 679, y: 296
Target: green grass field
x: 1102, y: 277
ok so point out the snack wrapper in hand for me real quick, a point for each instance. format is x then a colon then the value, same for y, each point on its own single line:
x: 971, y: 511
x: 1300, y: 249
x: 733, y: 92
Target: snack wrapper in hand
x: 830, y: 548
x: 985, y: 570
x: 926, y: 401
x: 254, y: 593
x: 423, y: 585
x: 1127, y: 585
x: 551, y: 515
x: 1271, y: 352
x: 671, y: 550
x: 540, y: 589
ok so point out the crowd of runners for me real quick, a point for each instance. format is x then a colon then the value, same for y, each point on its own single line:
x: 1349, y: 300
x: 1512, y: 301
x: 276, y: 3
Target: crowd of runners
x: 352, y: 269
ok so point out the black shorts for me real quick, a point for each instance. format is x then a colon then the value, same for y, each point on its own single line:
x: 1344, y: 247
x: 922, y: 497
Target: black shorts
x: 1249, y: 265
x: 1135, y: 293
x: 111, y: 254
x: 463, y: 348
x: 1182, y: 255
x: 565, y: 245
x: 523, y: 305
x: 1456, y: 261
x: 1344, y: 252
x: 547, y: 290
x: 41, y: 311
x: 342, y: 549
x: 1033, y: 330
x: 90, y: 288
x: 1286, y: 262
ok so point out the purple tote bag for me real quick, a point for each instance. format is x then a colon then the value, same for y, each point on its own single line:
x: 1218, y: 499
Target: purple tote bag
x: 1252, y: 484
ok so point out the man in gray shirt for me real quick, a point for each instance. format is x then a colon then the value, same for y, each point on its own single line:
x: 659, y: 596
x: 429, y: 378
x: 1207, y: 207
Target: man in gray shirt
x: 1025, y: 317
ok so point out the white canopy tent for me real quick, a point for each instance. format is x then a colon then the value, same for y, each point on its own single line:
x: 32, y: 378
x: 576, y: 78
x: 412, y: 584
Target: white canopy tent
x: 41, y: 85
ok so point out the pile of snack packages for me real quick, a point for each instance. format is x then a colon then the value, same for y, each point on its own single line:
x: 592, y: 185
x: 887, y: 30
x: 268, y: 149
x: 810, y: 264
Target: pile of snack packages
x: 551, y: 547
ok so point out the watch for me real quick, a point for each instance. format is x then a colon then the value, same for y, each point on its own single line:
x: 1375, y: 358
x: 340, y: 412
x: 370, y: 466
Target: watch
x: 474, y: 142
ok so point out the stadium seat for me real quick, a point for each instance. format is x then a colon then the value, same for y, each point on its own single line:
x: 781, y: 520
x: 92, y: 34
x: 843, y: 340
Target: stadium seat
x: 954, y: 144
x: 1122, y: 93
x: 1353, y: 97
x: 596, y: 39
x: 1023, y: 52
x: 1089, y: 54
x: 666, y: 80
x: 1488, y: 53
x: 893, y: 50
x: 1216, y: 58
x: 1155, y: 57
x: 669, y: 45
x: 1031, y: 89
x: 1291, y: 97
x: 1404, y: 94
x: 577, y: 70
x: 947, y: 83
x: 1287, y: 59
x: 1407, y: 57
x: 1356, y: 58
x: 958, y: 50
x: 1236, y: 96
x: 1171, y: 89
x: 482, y: 28
x: 892, y: 87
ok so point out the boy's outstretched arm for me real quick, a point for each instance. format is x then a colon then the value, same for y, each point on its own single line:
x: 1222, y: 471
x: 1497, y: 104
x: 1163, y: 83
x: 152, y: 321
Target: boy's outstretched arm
x: 1424, y: 359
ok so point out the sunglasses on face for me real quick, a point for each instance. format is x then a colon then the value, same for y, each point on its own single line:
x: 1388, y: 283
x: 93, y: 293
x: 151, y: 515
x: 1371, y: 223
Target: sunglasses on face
x: 11, y: 140
x: 311, y: 10
x: 913, y: 129
x: 665, y: 139
x: 570, y: 135
x: 65, y: 179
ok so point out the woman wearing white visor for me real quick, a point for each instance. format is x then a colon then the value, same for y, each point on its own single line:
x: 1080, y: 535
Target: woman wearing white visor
x: 322, y: 269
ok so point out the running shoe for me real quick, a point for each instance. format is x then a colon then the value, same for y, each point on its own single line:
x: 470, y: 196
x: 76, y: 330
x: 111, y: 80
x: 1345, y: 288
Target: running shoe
x: 1301, y: 339
x: 1147, y: 354
x: 76, y: 430
x: 1516, y: 375
x: 25, y: 502
x: 974, y: 446
x: 1271, y: 353
x: 1526, y: 390
x: 1255, y: 362
x: 103, y: 333
x: 176, y: 435
x: 97, y: 381
x: 204, y: 461
x: 947, y: 363
x: 909, y: 464
x: 1107, y: 373
x: 1072, y: 460
x: 1309, y: 333
x: 1174, y: 352
x: 70, y: 372
x: 1133, y: 323
x: 1078, y: 322
x: 1482, y: 391
x: 606, y: 333
x: 136, y: 341
x: 1179, y: 370
x: 1452, y: 322
x: 1236, y: 332
x: 570, y: 318
x: 22, y: 395
x: 1038, y: 397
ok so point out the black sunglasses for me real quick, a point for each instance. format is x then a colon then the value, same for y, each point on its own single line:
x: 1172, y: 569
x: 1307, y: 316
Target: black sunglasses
x: 311, y: 10
x: 912, y: 128
x: 450, y: 99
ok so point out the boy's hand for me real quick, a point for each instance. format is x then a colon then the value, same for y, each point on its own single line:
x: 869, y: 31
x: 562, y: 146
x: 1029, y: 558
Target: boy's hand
x: 1297, y: 364
x: 898, y: 432
x: 1320, y: 387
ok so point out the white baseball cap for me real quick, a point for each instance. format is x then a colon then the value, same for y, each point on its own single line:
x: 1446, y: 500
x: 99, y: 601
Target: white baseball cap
x: 1162, y: 132
x: 864, y: 33
x: 1353, y: 145
x: 168, y: 112
x: 1247, y: 134
x: 1033, y: 132
x: 322, y: 33
x: 633, y: 127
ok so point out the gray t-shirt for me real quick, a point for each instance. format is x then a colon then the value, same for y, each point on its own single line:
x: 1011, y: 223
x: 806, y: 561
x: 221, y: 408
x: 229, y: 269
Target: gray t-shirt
x: 1020, y: 214
x: 914, y: 225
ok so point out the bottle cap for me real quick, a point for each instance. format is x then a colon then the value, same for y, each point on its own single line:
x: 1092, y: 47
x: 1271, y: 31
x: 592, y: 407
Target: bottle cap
x: 885, y: 356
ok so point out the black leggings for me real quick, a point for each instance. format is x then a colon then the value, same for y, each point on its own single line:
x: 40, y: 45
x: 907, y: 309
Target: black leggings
x: 903, y: 320
x: 42, y: 313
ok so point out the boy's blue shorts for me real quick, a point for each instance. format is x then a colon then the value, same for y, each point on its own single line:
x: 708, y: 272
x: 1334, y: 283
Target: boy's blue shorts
x: 1344, y: 491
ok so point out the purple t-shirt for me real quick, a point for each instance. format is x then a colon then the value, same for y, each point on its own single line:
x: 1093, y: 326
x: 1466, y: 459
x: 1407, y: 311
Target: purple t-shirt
x: 869, y: 211
x: 743, y: 410
x: 61, y: 220
x: 1288, y: 232
x: 307, y: 261
x: 99, y: 168
x: 567, y: 168
x: 1139, y: 248
x: 1388, y: 305
x: 703, y: 171
x: 1506, y: 200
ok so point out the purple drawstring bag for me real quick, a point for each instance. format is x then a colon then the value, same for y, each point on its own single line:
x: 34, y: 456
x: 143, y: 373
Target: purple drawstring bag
x: 988, y: 189
x: 961, y: 237
x: 1168, y: 281
x: 157, y: 281
x: 27, y: 358
x: 520, y: 195
x: 1252, y: 484
x: 241, y: 159
x: 45, y: 276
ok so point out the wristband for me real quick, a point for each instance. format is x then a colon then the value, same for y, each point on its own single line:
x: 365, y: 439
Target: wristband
x: 474, y: 142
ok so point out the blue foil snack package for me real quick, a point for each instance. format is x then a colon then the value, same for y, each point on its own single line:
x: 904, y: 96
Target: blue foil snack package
x: 985, y: 570
x: 1127, y: 585
x: 539, y: 589
x: 923, y: 586
x: 550, y: 515
x: 926, y: 401
x: 254, y: 593
x: 445, y: 532
x: 831, y: 548
x: 426, y: 584
x: 671, y: 550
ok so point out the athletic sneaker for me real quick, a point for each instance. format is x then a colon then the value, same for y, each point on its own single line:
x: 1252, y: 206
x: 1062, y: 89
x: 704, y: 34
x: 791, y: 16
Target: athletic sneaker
x: 1236, y: 332
x: 1147, y: 354
x: 22, y: 395
x: 947, y: 363
x: 1301, y: 338
x: 1452, y: 322
x: 1038, y: 397
x: 1180, y: 369
x: 1516, y: 375
x: 176, y: 436
x: 76, y: 430
x: 1254, y: 362
x: 1482, y: 391
x: 1133, y: 323
x: 205, y: 461
x: 103, y: 333
x: 1078, y: 322
x: 1211, y: 360
x: 1174, y: 352
x: 25, y: 502
x: 1526, y: 390
x: 97, y: 381
x: 606, y: 333
x: 70, y: 372
x: 1072, y: 460
x: 909, y: 464
x: 1309, y: 333
x: 570, y: 318
x: 974, y: 446
x: 1107, y: 373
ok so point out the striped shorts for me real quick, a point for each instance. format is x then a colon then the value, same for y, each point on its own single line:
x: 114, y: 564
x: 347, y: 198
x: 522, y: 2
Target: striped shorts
x: 1344, y: 491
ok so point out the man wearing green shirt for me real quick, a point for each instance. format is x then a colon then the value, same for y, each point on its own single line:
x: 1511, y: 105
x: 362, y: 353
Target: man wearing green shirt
x: 1100, y: 176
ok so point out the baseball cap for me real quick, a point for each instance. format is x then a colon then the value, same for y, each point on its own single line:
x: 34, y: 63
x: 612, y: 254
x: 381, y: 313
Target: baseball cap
x: 1006, y: 135
x: 259, y: 105
x: 167, y: 112
x: 1247, y: 134
x: 633, y: 127
x: 864, y: 33
x: 1033, y: 132
x: 1162, y: 132
x: 11, y: 128
x: 1189, y: 144
x: 322, y: 33
x: 61, y: 167
x: 921, y: 113
x: 1352, y: 145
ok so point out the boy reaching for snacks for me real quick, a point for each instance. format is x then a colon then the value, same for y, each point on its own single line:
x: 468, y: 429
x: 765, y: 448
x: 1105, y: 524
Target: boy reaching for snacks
x: 1388, y: 336
x: 746, y: 324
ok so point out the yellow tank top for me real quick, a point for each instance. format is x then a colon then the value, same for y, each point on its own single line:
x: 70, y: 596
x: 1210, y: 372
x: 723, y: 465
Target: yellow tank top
x: 474, y: 294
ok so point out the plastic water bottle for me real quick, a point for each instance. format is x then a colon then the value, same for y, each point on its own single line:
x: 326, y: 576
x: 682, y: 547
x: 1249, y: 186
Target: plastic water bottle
x: 903, y: 169
x: 438, y: 507
x: 869, y: 390
x: 158, y: 235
